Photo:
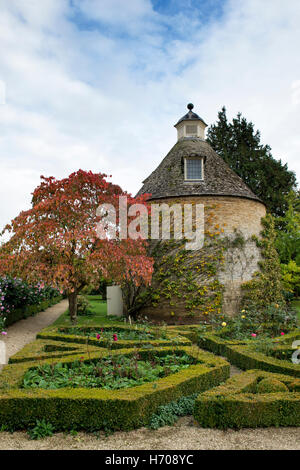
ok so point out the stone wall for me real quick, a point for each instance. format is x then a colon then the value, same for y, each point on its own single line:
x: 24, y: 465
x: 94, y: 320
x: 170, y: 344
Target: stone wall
x: 235, y: 220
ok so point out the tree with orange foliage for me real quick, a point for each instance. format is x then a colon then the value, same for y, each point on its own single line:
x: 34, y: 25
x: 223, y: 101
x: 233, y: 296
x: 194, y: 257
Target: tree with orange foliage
x: 56, y: 239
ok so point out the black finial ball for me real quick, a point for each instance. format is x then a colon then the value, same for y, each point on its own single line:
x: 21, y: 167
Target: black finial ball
x: 190, y: 106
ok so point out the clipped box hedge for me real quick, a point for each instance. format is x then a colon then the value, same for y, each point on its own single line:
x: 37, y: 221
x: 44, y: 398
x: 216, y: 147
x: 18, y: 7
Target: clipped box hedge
x: 95, y: 409
x: 46, y: 349
x: 29, y: 310
x: 246, y: 358
x: 238, y: 403
x: 188, y: 331
x: 243, y: 355
x: 53, y: 333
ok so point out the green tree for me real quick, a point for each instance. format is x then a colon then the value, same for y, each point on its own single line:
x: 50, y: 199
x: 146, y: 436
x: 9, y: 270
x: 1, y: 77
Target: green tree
x: 288, y: 230
x: 266, y: 286
x: 240, y: 146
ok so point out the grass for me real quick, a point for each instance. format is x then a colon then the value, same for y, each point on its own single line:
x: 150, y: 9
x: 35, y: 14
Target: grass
x: 296, y: 306
x: 98, y: 317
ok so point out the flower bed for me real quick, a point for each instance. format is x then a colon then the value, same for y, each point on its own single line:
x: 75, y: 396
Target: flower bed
x: 114, y: 337
x: 252, y: 399
x: 98, y: 408
x: 110, y: 373
x: 114, y: 334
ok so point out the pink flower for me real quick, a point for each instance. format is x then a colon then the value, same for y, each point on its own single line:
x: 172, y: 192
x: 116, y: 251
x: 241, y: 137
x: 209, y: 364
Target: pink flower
x: 253, y: 334
x: 98, y: 336
x: 115, y: 338
x: 4, y: 333
x: 282, y: 333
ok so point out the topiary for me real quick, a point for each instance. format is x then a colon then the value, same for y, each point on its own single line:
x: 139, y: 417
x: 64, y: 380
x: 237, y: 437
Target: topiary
x: 271, y: 386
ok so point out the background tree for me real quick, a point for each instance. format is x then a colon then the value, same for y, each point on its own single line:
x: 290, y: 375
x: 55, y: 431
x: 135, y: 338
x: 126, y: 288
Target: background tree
x: 56, y: 241
x: 239, y: 145
x: 288, y: 244
x: 265, y: 287
x: 288, y: 230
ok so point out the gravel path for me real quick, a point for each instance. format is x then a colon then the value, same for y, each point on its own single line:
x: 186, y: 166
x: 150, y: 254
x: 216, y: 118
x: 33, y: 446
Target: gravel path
x: 185, y: 435
x: 25, y: 331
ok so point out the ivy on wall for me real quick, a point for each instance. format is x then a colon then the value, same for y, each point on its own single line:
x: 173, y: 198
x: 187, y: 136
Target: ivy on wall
x: 185, y: 283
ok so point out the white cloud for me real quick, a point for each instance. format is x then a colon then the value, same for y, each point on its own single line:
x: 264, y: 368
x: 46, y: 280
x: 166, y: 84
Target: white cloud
x: 295, y: 92
x: 115, y: 11
x: 106, y: 98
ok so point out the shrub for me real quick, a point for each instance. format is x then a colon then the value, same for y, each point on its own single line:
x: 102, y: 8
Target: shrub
x: 83, y: 306
x: 167, y: 415
x: 291, y: 277
x: 268, y: 321
x: 270, y: 385
x: 266, y: 285
x: 16, y: 297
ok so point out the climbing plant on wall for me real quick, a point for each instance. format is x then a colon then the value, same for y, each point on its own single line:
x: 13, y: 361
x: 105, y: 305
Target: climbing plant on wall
x: 186, y: 281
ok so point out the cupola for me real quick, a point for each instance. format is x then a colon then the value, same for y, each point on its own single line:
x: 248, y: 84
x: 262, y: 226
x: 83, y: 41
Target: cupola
x: 190, y: 125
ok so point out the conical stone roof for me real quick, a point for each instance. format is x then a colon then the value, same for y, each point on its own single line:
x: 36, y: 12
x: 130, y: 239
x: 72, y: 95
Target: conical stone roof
x: 219, y: 180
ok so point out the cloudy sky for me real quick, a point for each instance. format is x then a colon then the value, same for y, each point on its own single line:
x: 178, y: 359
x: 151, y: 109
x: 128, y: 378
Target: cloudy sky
x: 99, y: 84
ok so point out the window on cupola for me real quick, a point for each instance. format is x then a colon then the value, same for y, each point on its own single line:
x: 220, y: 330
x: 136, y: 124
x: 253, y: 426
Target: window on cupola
x: 191, y: 130
x: 193, y: 169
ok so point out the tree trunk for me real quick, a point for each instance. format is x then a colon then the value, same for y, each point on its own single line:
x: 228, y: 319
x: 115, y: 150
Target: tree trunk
x: 73, y: 306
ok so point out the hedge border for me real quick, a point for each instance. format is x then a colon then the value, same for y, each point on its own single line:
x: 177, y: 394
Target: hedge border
x: 37, y: 350
x: 30, y: 310
x: 236, y: 405
x: 241, y: 355
x: 188, y: 331
x: 245, y: 358
x: 93, y: 409
x: 51, y: 333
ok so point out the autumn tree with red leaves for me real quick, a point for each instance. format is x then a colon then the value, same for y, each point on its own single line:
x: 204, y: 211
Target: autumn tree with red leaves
x: 56, y: 239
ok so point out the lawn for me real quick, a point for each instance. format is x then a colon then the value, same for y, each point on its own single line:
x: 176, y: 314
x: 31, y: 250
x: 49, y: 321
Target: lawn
x: 97, y: 317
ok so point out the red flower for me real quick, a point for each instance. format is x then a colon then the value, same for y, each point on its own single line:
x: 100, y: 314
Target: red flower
x: 115, y: 338
x: 98, y: 336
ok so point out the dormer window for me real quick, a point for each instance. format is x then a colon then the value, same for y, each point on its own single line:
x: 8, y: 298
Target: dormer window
x: 193, y: 169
